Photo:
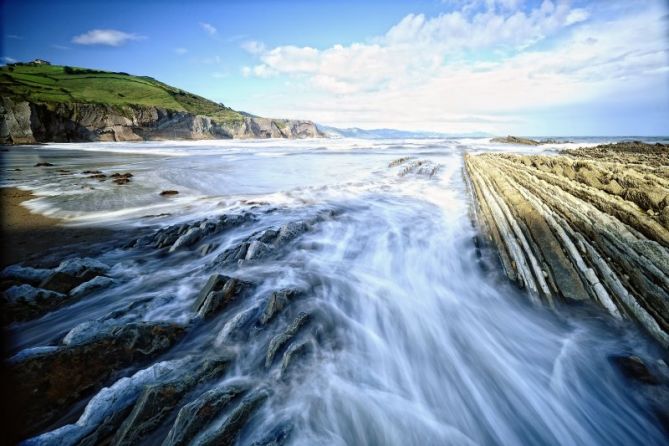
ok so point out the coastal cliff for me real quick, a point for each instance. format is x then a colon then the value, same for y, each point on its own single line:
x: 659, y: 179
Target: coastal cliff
x: 27, y: 122
x: 49, y: 103
x: 592, y: 224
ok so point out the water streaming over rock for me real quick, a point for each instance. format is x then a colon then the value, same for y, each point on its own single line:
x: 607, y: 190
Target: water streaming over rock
x: 344, y: 295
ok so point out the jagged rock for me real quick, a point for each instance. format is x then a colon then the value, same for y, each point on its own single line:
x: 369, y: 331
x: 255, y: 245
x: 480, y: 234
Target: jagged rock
x: 233, y: 220
x: 214, y: 283
x: 106, y: 408
x: 22, y: 302
x: 72, y: 273
x: 233, y: 255
x: 97, y: 283
x: 290, y: 231
x: 88, y: 330
x: 206, y: 248
x: 240, y: 326
x: 281, y: 340
x: 276, y: 302
x: 226, y: 435
x: 49, y: 382
x: 159, y: 400
x: 43, y: 165
x: 294, y: 351
x: 167, y: 193
x: 420, y: 167
x: 257, y: 250
x: 29, y: 294
x: 268, y: 236
x: 219, y: 292
x: 25, y: 274
x: 188, y: 239
x: 199, y: 413
x: 121, y: 181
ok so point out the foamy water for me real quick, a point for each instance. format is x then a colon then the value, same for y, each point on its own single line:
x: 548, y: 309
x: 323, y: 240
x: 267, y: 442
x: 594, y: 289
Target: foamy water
x: 415, y: 343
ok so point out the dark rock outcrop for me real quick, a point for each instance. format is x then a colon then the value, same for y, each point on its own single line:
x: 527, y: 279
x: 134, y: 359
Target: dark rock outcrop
x: 226, y: 435
x: 197, y: 414
x: 159, y: 400
x: 515, y: 140
x: 279, y: 341
x: 219, y: 292
x: 38, y: 291
x: 50, y: 380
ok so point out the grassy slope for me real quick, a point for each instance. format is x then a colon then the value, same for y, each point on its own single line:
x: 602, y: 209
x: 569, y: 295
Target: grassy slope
x: 51, y: 84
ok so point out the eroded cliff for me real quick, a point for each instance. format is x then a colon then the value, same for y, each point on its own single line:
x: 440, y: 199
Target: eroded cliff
x: 24, y: 122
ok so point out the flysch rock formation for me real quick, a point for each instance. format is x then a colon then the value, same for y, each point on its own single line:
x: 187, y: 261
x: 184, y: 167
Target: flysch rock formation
x: 589, y: 224
x: 23, y: 122
x: 121, y: 380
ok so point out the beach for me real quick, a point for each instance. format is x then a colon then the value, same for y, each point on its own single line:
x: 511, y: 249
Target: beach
x: 31, y: 238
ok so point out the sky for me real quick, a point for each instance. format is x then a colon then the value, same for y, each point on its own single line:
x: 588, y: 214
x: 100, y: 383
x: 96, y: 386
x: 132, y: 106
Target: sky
x: 526, y: 67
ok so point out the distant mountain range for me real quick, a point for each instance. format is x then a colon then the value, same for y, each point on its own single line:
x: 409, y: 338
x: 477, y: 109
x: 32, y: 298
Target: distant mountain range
x: 356, y: 132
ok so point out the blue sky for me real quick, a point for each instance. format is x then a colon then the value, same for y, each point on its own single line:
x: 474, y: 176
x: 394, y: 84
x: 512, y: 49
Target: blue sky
x: 501, y: 66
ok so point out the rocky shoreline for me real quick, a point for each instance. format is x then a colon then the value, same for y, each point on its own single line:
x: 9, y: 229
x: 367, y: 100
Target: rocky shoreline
x: 157, y: 396
x: 23, y: 122
x: 586, y: 225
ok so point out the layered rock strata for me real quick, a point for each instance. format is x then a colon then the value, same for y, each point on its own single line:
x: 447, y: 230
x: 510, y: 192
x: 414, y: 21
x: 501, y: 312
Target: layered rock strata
x: 23, y: 122
x: 592, y: 224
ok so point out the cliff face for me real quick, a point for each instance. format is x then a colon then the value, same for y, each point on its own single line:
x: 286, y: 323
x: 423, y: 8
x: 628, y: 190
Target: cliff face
x: 23, y: 122
x: 593, y: 225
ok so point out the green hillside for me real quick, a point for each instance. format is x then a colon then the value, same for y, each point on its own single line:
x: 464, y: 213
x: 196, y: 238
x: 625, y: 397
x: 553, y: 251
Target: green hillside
x: 51, y: 84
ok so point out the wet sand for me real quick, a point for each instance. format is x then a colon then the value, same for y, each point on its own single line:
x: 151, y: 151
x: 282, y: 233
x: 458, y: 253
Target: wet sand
x: 31, y: 238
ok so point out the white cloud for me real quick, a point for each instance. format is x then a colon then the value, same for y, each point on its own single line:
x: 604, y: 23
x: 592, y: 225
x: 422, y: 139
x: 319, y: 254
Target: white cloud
x: 253, y: 47
x: 180, y: 51
x: 108, y: 37
x: 7, y: 59
x: 576, y: 16
x: 209, y: 28
x: 14, y: 37
x: 59, y: 47
x: 438, y: 72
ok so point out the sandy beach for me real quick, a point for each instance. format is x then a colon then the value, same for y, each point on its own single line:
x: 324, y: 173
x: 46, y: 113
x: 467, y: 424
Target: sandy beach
x: 29, y: 238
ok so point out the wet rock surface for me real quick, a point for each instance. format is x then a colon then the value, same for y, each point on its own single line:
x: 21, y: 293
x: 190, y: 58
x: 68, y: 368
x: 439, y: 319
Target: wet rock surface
x: 588, y: 225
x: 118, y: 379
x: 33, y: 292
x: 52, y: 380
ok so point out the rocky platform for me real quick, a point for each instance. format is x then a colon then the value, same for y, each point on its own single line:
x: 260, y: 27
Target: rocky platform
x: 591, y: 224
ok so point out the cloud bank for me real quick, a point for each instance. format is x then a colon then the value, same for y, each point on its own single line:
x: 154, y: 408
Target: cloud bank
x: 484, y: 62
